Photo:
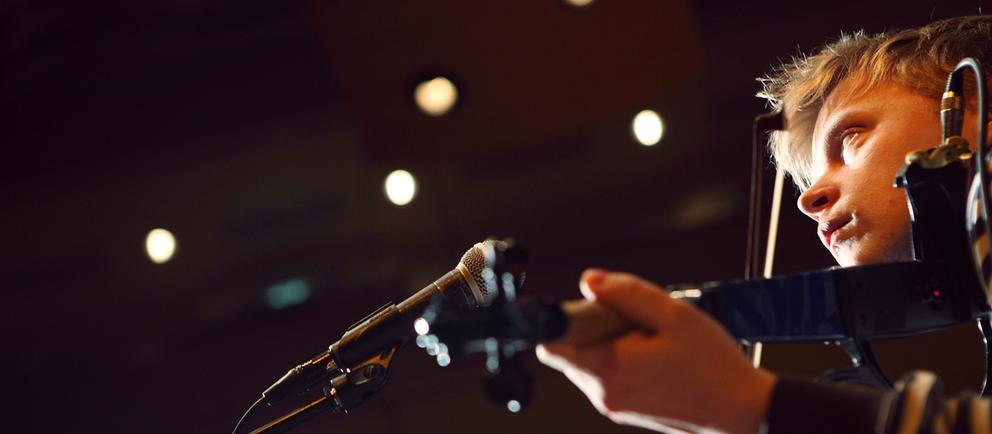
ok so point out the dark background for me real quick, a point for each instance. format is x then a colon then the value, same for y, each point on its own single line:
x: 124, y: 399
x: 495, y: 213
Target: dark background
x: 260, y: 132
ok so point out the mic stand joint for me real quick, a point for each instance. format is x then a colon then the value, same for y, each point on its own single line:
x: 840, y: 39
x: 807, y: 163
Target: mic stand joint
x: 345, y: 391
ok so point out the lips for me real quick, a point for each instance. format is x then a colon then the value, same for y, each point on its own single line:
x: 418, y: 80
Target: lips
x: 828, y: 227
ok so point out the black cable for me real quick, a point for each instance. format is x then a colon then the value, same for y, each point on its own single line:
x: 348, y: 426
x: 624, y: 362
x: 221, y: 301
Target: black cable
x: 983, y: 119
x: 985, y: 327
x: 244, y: 417
x: 955, y: 85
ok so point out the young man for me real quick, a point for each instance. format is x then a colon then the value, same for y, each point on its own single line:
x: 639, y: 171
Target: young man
x: 854, y: 110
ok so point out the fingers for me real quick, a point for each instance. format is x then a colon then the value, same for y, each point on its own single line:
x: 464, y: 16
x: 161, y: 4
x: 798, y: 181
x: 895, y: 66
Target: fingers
x: 595, y: 358
x: 633, y: 298
x: 609, y: 373
x: 555, y: 356
x: 590, y: 322
x: 565, y: 359
x: 619, y: 303
x: 590, y: 277
x: 663, y: 354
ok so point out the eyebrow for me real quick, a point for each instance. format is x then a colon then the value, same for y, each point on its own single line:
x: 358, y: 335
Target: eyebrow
x: 838, y: 122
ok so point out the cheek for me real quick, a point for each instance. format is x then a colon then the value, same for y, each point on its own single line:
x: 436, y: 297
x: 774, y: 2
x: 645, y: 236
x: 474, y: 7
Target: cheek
x: 887, y: 210
x: 895, y: 215
x: 888, y: 229
x: 875, y: 176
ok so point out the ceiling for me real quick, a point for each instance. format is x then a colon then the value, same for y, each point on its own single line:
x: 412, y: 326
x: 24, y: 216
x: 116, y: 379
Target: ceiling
x: 260, y: 132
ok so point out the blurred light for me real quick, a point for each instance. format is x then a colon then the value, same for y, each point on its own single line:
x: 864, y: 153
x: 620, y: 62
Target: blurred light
x: 435, y: 96
x: 160, y: 245
x: 287, y: 293
x: 443, y: 360
x: 578, y: 3
x: 421, y: 326
x: 648, y: 127
x: 686, y: 293
x: 401, y: 187
x: 513, y: 405
x: 701, y: 208
x: 422, y: 341
x: 492, y: 364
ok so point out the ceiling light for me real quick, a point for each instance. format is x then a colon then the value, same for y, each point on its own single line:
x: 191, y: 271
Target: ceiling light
x: 648, y: 127
x: 160, y: 245
x: 401, y: 187
x: 436, y: 96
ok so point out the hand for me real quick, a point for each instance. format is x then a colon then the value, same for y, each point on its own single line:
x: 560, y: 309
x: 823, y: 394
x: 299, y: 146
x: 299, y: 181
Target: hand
x: 679, y: 371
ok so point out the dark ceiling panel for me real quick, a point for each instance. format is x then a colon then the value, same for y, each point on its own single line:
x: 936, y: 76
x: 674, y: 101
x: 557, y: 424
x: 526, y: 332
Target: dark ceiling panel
x: 529, y: 71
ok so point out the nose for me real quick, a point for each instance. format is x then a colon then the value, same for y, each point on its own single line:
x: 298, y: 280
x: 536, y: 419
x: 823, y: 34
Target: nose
x: 817, y: 198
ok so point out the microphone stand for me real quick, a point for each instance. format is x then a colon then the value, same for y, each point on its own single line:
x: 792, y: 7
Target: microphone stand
x: 292, y: 419
x: 357, y: 366
x: 342, y: 393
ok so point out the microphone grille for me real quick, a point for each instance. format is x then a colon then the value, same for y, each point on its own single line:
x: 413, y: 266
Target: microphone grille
x: 475, y: 262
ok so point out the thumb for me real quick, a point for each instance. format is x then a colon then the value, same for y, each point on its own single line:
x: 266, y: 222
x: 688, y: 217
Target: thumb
x: 631, y: 297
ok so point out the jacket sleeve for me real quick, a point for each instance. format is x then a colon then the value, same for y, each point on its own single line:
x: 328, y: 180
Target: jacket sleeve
x: 916, y: 405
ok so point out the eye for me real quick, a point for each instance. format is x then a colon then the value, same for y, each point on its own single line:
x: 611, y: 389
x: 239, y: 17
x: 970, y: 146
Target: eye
x: 846, y: 139
x: 849, y: 136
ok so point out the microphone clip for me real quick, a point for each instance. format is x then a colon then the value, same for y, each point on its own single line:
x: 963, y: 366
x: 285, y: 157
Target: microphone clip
x: 352, y: 388
x: 501, y: 330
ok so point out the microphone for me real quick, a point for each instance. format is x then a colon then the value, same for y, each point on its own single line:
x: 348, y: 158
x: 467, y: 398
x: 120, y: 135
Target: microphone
x: 387, y: 328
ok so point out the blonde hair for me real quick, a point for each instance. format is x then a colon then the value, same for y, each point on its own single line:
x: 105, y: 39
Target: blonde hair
x: 919, y: 59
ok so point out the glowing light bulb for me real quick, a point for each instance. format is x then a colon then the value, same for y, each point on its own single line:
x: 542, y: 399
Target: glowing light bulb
x: 401, y: 187
x: 160, y: 245
x: 436, y: 96
x: 648, y: 127
x: 578, y: 3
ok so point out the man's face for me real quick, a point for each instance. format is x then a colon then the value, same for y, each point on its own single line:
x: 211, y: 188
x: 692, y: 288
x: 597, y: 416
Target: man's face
x: 859, y: 143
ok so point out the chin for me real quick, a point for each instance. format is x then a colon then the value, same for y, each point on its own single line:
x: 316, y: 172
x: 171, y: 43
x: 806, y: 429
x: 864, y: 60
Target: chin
x: 845, y: 261
x: 865, y: 255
